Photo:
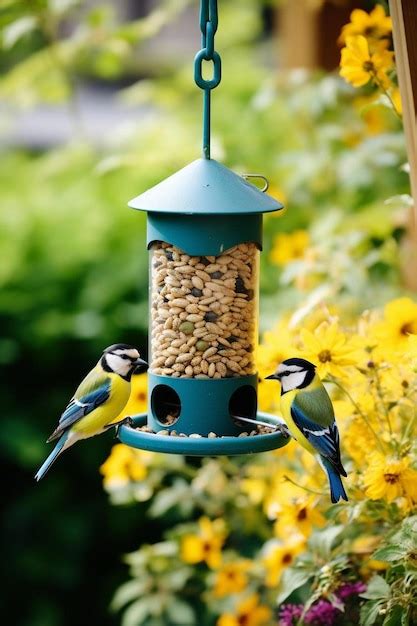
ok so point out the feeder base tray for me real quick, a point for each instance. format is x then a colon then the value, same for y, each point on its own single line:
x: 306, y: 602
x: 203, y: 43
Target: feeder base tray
x: 202, y: 446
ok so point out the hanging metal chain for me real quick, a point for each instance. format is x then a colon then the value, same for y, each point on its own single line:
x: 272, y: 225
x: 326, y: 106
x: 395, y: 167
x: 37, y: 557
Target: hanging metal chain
x: 208, y: 26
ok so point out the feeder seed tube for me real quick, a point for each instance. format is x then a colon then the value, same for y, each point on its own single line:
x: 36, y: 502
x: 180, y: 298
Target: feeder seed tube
x: 204, y: 312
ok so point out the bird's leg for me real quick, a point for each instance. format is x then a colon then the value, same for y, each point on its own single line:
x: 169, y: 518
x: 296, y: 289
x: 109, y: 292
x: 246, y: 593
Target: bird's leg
x: 127, y: 421
x: 283, y: 429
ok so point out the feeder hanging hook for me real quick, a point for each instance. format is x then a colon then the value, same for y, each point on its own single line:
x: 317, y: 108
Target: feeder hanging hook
x: 208, y: 27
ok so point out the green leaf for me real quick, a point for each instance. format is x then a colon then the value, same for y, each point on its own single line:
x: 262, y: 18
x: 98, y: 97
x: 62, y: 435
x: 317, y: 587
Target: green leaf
x: 323, y: 540
x: 389, y: 553
x: 60, y: 7
x: 377, y: 588
x: 396, y: 616
x: 291, y: 580
x: 179, y: 612
x: 370, y: 613
x: 131, y: 590
x: 136, y: 613
x: 169, y: 498
x: 18, y: 29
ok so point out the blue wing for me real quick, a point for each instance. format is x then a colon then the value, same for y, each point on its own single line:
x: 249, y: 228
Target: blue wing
x: 80, y: 406
x: 325, y: 439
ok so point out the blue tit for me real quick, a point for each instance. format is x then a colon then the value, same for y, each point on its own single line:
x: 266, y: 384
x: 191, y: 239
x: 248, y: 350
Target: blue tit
x: 308, y: 412
x: 98, y: 401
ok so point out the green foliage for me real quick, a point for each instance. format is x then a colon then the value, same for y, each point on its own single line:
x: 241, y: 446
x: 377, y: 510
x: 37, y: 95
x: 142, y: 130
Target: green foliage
x: 73, y: 279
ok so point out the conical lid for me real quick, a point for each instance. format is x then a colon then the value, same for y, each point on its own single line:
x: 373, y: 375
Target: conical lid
x: 205, y: 187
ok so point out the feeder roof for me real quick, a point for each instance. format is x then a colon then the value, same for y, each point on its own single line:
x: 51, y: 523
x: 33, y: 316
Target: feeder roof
x: 205, y: 187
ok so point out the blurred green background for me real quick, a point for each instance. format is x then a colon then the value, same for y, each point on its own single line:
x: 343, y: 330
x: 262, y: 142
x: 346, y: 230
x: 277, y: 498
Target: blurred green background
x: 97, y: 104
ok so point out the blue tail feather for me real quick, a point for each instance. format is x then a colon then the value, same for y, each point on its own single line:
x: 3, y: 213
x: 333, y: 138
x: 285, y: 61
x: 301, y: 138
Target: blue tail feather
x: 52, y: 457
x: 337, y: 491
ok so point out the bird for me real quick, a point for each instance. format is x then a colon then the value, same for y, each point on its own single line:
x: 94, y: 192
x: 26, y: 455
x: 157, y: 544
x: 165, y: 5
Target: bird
x: 308, y: 412
x: 98, y: 400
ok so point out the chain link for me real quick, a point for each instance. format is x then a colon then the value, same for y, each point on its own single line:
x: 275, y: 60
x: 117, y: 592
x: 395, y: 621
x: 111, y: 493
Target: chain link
x: 208, y: 27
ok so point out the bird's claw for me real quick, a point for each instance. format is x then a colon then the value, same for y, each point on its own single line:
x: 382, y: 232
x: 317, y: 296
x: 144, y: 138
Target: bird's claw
x: 283, y: 429
x: 127, y: 421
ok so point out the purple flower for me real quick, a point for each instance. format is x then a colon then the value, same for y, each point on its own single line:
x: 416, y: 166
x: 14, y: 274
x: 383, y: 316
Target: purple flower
x: 321, y: 614
x: 289, y: 614
x: 350, y: 589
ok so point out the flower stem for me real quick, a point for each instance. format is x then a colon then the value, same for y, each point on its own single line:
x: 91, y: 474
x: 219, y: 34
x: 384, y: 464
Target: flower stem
x: 290, y: 480
x: 359, y: 410
x: 387, y: 94
x: 381, y: 397
x: 410, y: 427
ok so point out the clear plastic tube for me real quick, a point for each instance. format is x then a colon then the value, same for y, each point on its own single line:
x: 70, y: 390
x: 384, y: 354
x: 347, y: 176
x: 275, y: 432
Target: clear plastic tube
x: 204, y: 312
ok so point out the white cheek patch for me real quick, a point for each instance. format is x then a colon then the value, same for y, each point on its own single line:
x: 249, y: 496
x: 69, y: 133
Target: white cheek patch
x: 118, y: 365
x: 294, y: 380
x: 133, y: 354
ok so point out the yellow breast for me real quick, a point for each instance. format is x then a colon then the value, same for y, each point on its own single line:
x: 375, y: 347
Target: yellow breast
x: 286, y: 402
x: 94, y: 422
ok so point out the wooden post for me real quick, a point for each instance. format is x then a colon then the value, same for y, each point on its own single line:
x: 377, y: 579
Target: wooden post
x: 404, y: 18
x: 298, y: 34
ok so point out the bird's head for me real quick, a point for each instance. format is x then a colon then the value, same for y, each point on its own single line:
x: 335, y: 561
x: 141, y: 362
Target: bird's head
x: 294, y: 374
x: 122, y: 359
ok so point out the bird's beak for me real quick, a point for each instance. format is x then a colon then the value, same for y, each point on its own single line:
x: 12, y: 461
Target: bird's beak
x: 272, y: 377
x: 140, y: 366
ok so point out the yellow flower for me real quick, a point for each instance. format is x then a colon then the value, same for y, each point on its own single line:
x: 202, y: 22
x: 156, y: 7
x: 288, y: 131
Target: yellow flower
x: 231, y: 578
x: 372, y: 113
x: 396, y: 100
x: 375, y: 26
x: 255, y: 489
x: 300, y: 516
x: 280, y: 492
x: 276, y: 346
x: 364, y: 546
x: 330, y: 349
x: 277, y: 193
x: 400, y: 321
x: 289, y: 246
x: 124, y: 465
x: 206, y: 545
x: 278, y: 556
x: 359, y: 66
x: 390, y: 478
x: 248, y: 613
x: 356, y: 438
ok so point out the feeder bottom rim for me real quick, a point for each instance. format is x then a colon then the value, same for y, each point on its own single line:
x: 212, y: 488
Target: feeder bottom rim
x: 202, y: 446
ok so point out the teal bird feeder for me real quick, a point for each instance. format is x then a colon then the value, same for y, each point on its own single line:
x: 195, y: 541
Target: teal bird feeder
x: 204, y: 235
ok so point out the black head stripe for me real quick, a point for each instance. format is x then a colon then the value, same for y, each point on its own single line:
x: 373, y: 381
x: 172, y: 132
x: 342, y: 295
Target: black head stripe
x: 305, y: 365
x: 118, y: 346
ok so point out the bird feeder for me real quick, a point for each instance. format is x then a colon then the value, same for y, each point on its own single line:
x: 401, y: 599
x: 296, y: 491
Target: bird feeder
x: 204, y: 236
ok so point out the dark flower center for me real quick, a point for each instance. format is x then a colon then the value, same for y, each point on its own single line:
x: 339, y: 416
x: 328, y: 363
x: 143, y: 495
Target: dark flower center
x: 325, y: 356
x: 302, y: 514
x: 368, y: 66
x: 391, y: 478
x: 206, y: 546
x: 407, y: 328
x: 287, y: 558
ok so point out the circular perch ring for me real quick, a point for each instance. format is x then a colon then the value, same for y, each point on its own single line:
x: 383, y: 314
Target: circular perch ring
x: 202, y: 446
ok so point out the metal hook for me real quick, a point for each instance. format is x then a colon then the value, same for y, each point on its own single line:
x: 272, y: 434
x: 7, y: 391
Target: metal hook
x: 262, y: 177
